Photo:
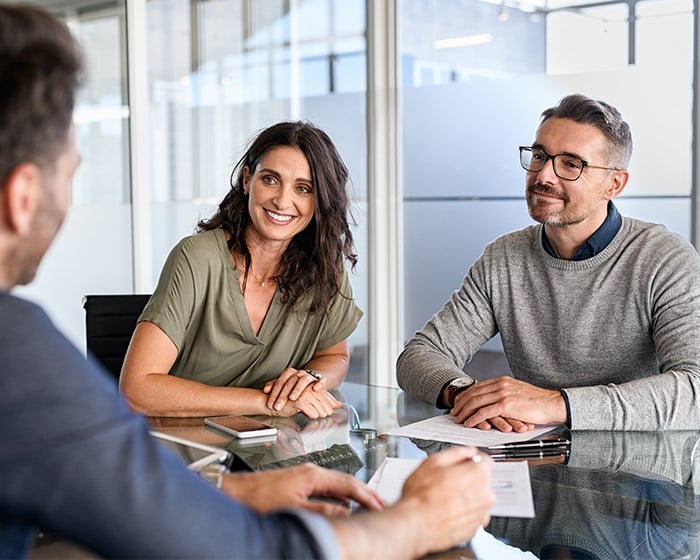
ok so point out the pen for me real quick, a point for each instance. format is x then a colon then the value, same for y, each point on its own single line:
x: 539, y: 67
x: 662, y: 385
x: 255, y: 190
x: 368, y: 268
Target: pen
x: 532, y: 444
x: 531, y: 454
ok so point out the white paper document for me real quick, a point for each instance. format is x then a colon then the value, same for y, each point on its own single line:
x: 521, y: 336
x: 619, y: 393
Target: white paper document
x: 510, y: 482
x: 444, y: 428
x: 487, y: 547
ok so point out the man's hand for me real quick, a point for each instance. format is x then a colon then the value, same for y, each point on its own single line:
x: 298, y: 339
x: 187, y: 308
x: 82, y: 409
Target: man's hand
x: 508, y: 405
x: 454, y: 490
x: 505, y: 425
x: 266, y: 491
x: 443, y: 503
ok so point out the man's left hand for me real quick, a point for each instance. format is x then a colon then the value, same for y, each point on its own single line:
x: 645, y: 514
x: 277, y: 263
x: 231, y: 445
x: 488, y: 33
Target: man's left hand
x: 508, y: 405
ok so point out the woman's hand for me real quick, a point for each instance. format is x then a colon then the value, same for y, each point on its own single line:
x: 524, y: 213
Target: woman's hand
x: 304, y: 392
x: 314, y: 404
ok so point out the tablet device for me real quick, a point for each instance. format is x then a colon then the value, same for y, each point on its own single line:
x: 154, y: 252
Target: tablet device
x: 195, y: 455
x: 241, y: 426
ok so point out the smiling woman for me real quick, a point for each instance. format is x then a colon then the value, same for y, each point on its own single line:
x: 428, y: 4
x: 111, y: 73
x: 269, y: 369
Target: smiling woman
x: 280, y: 205
x: 245, y: 308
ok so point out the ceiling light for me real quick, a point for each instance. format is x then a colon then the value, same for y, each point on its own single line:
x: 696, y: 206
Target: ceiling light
x: 464, y: 41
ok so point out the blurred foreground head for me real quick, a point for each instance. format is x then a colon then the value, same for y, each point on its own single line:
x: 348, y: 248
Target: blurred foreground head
x: 40, y: 71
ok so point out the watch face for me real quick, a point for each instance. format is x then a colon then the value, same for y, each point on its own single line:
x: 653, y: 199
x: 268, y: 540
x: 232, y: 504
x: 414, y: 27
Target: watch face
x: 462, y: 383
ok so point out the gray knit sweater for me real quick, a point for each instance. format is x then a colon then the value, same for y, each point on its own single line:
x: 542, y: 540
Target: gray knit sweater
x: 619, y: 332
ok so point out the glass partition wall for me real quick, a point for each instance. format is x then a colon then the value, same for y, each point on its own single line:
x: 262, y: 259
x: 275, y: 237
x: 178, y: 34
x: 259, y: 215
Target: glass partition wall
x: 476, y: 76
x: 220, y: 71
x: 216, y: 72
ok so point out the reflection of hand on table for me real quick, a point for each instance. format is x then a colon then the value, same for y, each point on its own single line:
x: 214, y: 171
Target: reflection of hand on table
x: 315, y: 434
x: 323, y: 432
x: 295, y: 439
x: 289, y: 443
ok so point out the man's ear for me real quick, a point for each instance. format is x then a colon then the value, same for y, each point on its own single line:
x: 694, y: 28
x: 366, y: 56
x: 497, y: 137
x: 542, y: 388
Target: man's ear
x: 21, y: 193
x: 618, y: 182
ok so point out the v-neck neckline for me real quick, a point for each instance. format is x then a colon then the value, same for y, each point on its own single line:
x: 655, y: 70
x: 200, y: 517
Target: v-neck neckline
x: 239, y: 299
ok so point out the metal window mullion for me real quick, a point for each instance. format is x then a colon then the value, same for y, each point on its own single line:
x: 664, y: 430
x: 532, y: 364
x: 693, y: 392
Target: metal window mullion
x: 139, y: 144
x: 695, y: 161
x: 384, y: 193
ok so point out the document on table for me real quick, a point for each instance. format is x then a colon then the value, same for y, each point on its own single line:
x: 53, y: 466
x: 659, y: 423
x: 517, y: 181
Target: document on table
x: 510, y: 482
x: 487, y: 547
x: 444, y: 428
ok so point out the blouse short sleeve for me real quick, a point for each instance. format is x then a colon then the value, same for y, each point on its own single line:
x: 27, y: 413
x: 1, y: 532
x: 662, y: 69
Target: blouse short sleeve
x: 343, y: 316
x: 172, y: 304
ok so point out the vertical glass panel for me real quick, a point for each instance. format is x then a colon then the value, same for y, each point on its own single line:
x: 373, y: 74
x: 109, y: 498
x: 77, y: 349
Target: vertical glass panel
x: 92, y: 253
x: 475, y: 77
x: 220, y: 71
x: 665, y: 34
x: 664, y: 48
x: 596, y: 38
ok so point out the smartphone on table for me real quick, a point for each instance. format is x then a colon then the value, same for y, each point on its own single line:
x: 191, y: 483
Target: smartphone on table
x: 241, y: 426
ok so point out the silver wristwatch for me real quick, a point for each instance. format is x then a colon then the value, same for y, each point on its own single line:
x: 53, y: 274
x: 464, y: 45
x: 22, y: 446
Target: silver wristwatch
x: 456, y: 386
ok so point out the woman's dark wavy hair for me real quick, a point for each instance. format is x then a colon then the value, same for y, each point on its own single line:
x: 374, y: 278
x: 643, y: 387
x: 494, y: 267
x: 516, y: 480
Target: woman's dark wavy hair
x: 314, y: 261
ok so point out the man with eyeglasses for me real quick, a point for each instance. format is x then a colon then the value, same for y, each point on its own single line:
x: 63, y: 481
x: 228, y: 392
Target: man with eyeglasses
x: 599, y: 314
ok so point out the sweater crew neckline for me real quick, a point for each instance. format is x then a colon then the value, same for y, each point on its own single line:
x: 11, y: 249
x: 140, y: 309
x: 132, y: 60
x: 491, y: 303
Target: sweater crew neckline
x: 592, y: 262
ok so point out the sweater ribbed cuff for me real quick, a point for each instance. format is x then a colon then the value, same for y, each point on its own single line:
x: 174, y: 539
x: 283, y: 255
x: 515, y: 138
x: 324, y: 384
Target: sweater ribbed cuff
x: 568, y: 407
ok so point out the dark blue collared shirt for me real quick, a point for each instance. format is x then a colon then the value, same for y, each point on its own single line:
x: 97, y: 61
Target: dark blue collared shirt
x: 596, y: 242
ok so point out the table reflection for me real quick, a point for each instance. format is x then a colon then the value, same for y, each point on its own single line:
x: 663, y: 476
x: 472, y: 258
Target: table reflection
x: 620, y: 494
x: 324, y: 441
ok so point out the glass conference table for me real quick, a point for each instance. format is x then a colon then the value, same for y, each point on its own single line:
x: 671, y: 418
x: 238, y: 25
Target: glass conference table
x: 619, y: 494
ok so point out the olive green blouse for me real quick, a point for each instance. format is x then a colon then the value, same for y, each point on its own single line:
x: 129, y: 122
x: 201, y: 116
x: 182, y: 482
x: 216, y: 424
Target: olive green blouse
x: 198, y: 303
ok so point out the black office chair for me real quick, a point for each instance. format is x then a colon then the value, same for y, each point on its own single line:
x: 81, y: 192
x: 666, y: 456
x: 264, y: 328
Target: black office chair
x: 109, y: 323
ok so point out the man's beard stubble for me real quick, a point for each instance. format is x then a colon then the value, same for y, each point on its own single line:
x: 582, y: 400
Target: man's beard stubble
x: 31, y: 251
x: 541, y: 212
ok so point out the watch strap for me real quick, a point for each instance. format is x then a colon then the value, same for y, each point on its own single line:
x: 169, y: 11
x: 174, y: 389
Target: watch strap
x: 452, y: 392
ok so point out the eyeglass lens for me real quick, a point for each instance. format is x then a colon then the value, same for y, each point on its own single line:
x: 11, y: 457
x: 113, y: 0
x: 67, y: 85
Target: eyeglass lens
x: 565, y: 167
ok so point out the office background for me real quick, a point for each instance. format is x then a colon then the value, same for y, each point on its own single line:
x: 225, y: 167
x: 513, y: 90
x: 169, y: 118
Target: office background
x: 427, y: 101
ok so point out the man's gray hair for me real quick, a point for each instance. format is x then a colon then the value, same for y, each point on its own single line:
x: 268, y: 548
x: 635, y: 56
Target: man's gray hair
x: 601, y: 115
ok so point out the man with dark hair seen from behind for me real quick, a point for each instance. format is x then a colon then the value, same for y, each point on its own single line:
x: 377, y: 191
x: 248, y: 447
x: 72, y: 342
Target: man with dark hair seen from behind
x: 76, y: 462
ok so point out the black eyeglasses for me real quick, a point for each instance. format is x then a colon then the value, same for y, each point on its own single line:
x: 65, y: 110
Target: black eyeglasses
x: 565, y: 166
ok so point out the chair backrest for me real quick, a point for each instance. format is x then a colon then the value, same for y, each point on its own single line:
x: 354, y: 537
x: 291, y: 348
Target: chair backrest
x: 109, y: 323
